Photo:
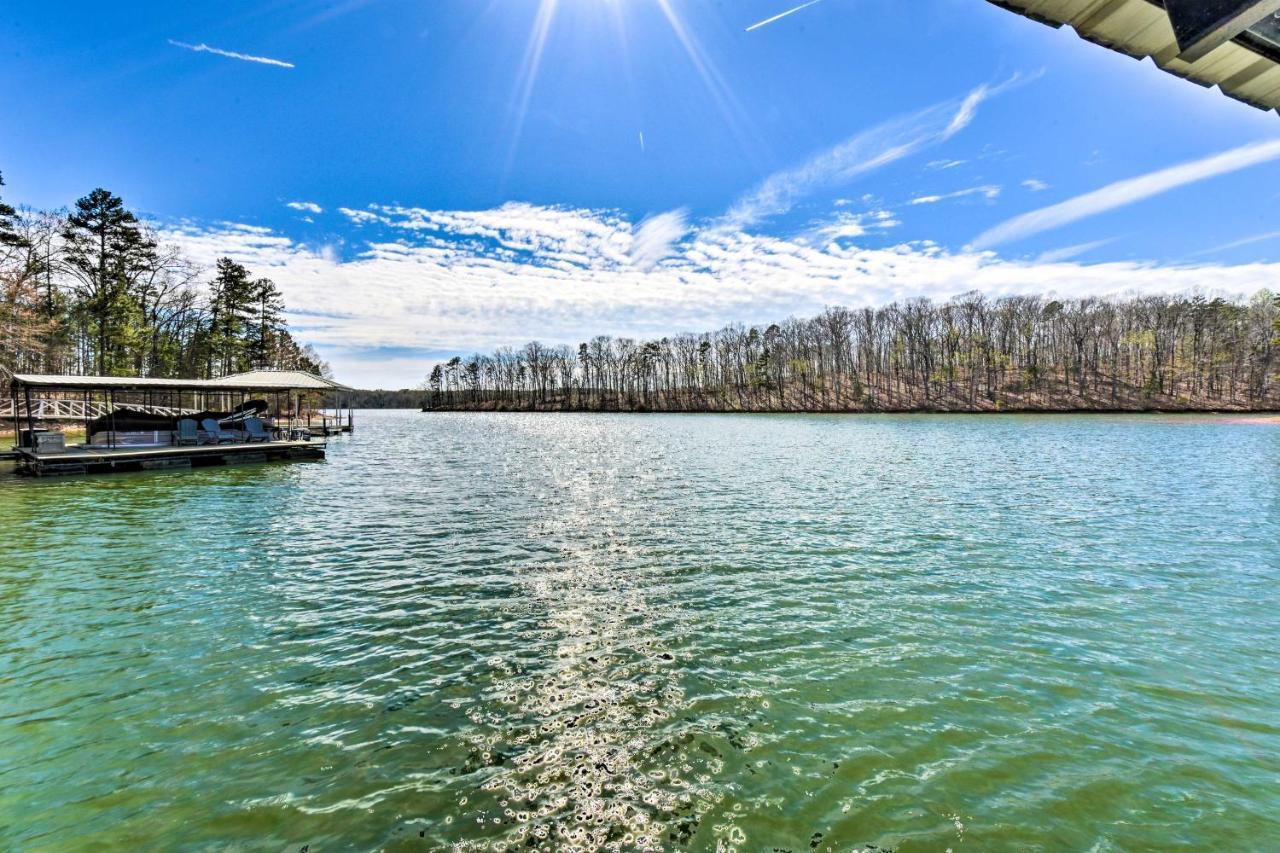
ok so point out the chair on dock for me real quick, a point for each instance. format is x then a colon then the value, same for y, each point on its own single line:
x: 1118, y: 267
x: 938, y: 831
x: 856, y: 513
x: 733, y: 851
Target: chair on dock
x: 216, y: 434
x: 255, y: 431
x: 187, y: 432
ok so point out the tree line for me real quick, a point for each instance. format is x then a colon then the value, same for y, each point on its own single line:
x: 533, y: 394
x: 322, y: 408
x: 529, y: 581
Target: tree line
x: 971, y: 353
x: 92, y: 290
x: 403, y: 398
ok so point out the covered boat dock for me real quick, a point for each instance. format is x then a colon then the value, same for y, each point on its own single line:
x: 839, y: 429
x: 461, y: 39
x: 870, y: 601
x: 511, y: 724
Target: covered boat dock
x: 148, y: 423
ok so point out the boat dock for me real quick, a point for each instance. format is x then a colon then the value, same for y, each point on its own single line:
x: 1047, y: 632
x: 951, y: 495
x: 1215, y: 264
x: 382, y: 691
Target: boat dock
x: 144, y: 423
x: 110, y: 460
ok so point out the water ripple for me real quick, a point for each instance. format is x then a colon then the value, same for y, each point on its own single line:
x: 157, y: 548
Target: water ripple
x: 612, y: 633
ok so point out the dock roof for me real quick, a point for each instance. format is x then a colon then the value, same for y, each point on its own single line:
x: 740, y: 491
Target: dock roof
x: 1231, y: 44
x: 254, y: 380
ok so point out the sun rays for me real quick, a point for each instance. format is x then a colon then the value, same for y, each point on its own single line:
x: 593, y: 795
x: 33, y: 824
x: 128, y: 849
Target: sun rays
x: 550, y: 13
x: 529, y: 72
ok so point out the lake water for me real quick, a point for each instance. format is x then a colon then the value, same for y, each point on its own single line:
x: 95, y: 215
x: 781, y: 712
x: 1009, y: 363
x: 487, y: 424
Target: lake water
x: 592, y: 631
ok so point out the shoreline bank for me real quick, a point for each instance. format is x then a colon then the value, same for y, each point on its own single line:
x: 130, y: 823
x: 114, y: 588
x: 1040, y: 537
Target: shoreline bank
x: 1259, y: 413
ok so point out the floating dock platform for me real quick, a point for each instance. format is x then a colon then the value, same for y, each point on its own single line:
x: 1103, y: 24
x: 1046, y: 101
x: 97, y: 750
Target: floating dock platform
x: 329, y: 429
x: 104, y: 460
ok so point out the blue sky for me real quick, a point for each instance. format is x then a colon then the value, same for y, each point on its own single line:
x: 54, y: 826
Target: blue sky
x: 471, y: 173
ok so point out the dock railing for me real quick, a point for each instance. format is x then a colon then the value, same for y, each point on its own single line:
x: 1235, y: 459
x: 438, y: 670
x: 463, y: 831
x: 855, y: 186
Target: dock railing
x: 79, y: 410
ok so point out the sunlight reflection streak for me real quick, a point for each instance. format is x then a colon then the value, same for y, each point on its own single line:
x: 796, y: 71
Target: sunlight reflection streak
x: 529, y: 73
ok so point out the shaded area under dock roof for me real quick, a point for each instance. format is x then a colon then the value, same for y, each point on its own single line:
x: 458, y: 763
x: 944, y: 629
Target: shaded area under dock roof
x: 1231, y: 44
x: 254, y: 380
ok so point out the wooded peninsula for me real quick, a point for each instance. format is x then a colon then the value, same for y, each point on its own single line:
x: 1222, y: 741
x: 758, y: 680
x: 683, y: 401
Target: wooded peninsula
x: 970, y: 354
x: 94, y: 291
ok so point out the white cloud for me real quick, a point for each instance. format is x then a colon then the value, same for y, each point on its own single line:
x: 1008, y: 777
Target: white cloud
x: 1246, y: 241
x: 231, y: 54
x: 853, y: 225
x: 862, y: 153
x: 967, y: 112
x: 1035, y: 185
x: 654, y: 237
x: 990, y: 192
x: 1127, y: 192
x: 1066, y: 253
x: 308, y: 206
x: 360, y: 217
x: 945, y: 164
x: 462, y: 281
x: 546, y: 236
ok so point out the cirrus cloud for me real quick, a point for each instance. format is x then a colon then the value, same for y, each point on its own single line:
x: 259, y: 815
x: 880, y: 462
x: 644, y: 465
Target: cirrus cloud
x: 1127, y: 192
x: 860, y: 154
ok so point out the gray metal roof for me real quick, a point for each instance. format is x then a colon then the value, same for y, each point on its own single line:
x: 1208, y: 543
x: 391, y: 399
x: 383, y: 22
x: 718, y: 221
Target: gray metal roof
x: 254, y: 380
x: 292, y: 379
x: 1246, y: 68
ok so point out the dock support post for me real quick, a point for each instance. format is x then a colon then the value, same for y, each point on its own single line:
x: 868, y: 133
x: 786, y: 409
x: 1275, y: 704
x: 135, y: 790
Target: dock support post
x: 31, y: 420
x: 17, y: 439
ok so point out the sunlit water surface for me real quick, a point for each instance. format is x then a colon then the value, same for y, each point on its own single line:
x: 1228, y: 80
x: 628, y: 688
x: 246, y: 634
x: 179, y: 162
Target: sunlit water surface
x: 576, y: 631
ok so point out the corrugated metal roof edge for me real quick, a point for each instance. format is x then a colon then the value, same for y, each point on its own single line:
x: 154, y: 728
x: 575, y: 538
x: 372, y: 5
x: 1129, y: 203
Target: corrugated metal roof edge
x: 1244, y: 40
x: 313, y: 376
x: 226, y: 383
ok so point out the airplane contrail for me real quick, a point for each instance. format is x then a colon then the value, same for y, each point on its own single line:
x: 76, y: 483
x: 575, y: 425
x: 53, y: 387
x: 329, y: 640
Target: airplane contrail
x: 231, y: 54
x: 781, y: 15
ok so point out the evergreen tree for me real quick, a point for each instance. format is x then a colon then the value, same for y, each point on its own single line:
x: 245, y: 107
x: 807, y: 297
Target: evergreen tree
x: 265, y: 336
x: 92, y: 292
x: 9, y: 235
x: 232, y: 308
x: 106, y: 252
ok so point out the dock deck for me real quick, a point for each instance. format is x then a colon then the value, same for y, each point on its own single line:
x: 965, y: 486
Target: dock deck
x: 97, y: 460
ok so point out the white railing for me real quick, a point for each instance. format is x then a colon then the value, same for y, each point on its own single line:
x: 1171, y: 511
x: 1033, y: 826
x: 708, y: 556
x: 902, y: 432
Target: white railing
x: 80, y: 410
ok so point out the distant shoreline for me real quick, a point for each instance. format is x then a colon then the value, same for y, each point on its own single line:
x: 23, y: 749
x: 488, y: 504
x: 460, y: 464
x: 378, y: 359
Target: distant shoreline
x: 1270, y: 412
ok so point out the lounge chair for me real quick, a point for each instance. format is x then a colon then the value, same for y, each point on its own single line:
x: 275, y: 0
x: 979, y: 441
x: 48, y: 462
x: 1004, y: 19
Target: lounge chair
x: 254, y: 431
x: 216, y: 434
x: 188, y: 432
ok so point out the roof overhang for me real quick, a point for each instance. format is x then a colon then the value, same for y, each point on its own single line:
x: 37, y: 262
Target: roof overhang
x: 1201, y: 26
x: 1231, y: 44
x: 259, y: 381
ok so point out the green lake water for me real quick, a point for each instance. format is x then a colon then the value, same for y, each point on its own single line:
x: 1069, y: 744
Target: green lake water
x: 489, y: 631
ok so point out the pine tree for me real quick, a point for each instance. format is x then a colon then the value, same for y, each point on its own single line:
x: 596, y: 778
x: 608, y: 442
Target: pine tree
x: 232, y: 310
x: 265, y: 335
x: 106, y: 252
x: 9, y: 235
